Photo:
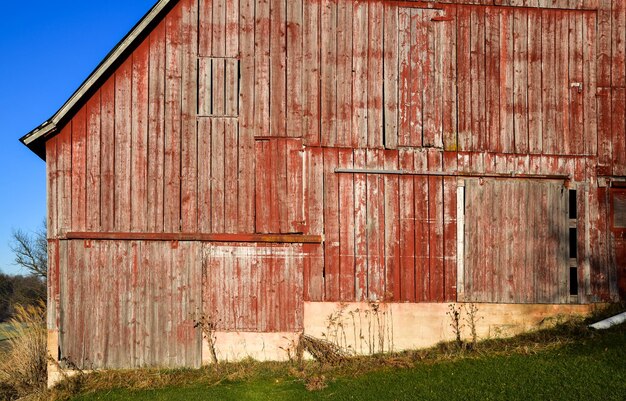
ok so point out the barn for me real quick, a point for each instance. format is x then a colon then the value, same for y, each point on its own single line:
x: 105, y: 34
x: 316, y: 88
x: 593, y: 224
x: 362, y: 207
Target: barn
x: 346, y: 169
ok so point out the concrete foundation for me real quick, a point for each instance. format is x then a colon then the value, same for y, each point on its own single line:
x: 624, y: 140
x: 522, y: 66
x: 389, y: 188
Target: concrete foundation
x: 368, y: 328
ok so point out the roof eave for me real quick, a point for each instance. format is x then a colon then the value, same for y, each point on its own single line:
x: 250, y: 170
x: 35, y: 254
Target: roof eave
x: 50, y: 127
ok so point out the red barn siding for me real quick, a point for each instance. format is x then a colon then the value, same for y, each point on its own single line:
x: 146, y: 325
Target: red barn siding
x: 233, y: 118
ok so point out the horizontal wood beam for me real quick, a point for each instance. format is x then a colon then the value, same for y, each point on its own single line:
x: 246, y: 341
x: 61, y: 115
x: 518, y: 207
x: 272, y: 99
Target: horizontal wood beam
x: 222, y: 237
x: 452, y: 174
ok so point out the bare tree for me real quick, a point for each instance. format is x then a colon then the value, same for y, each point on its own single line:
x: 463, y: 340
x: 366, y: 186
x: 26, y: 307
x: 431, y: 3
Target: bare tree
x: 31, y: 250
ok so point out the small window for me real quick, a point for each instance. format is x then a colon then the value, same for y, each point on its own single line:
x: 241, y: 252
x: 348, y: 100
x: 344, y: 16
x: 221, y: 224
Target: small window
x: 573, y: 211
x: 218, y: 86
x: 619, y: 209
x: 573, y: 243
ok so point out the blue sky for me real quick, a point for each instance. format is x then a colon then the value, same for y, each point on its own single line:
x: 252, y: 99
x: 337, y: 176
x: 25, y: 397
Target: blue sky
x: 47, y: 49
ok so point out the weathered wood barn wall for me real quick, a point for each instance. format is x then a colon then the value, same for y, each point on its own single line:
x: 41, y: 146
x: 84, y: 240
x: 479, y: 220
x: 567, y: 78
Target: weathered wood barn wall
x: 246, y: 157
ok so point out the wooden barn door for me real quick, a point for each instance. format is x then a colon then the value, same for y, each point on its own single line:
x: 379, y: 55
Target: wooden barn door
x: 618, y: 225
x: 516, y: 241
x: 253, y: 287
x: 129, y: 304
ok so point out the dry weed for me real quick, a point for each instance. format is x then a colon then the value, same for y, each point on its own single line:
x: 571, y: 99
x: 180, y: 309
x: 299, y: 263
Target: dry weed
x: 23, y: 370
x: 315, y: 383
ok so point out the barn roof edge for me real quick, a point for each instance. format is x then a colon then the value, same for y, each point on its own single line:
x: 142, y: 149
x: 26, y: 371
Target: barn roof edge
x: 35, y: 139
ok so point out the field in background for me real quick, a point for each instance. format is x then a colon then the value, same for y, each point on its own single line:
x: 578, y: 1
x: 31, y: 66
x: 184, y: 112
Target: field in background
x: 6, y: 330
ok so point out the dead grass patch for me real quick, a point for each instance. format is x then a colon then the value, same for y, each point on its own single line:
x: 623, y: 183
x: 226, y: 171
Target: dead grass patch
x: 23, y: 368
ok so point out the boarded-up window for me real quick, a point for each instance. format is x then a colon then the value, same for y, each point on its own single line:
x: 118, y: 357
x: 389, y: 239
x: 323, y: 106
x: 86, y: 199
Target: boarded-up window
x: 619, y: 209
x: 516, y: 241
x: 218, y: 87
x: 254, y: 288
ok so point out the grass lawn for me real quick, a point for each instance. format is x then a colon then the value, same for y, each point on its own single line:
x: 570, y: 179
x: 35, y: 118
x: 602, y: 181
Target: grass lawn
x: 590, y: 367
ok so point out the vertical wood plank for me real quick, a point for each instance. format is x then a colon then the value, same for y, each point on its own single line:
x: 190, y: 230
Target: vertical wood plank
x: 477, y: 59
x: 156, y: 131
x: 375, y: 224
x: 407, y: 229
x: 205, y: 158
x: 450, y: 220
x: 404, y: 75
x: 346, y: 228
x: 492, y: 79
x: 604, y: 43
x: 446, y: 42
x: 218, y: 175
x: 535, y: 91
x: 295, y: 68
x: 421, y: 206
x: 205, y: 28
x: 315, y: 222
x: 107, y: 147
x: 360, y: 228
x: 246, y: 184
x: 231, y: 170
x: 433, y: 96
x: 123, y: 125
x: 563, y: 139
x: 79, y: 170
x: 464, y: 77
x: 375, y: 75
x: 310, y: 78
x: 328, y: 74
x: 218, y: 28
x: 331, y: 226
x: 520, y: 79
x: 436, y: 229
x: 52, y: 177
x: 549, y: 81
x: 419, y: 79
x: 139, y: 137
x: 507, y: 116
x: 189, y: 102
x: 590, y: 131
x: 279, y: 183
x: 618, y: 42
x: 391, y: 78
x: 172, y: 126
x: 92, y: 164
x: 344, y: 74
x: 278, y: 67
x: 576, y: 96
x: 262, y: 69
x: 391, y: 203
x: 231, y: 28
x: 360, y: 45
x: 618, y: 128
x: 294, y: 219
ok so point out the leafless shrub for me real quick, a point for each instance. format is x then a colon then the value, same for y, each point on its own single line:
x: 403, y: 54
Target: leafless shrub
x: 24, y: 369
x: 454, y: 312
x: 208, y: 325
x: 472, y: 318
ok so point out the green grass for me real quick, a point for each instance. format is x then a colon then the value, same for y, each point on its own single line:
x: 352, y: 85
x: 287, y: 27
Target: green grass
x: 578, y: 365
